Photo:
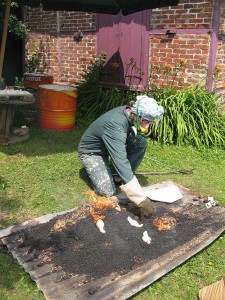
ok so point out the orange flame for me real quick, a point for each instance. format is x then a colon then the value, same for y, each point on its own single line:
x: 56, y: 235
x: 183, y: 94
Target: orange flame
x: 98, y: 203
x: 95, y: 215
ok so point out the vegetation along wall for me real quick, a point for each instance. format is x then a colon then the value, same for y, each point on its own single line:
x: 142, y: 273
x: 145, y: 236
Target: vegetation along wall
x: 187, y: 43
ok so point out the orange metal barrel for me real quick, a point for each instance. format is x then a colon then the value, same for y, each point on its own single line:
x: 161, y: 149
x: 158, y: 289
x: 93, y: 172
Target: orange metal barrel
x: 57, y: 107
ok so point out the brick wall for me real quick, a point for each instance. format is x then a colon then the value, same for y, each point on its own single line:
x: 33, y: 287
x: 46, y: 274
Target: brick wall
x: 177, y: 34
x: 187, y: 14
x: 191, y: 24
x: 188, y: 40
x: 52, y: 33
x: 220, y: 60
x: 219, y: 86
x: 170, y: 51
x: 222, y: 23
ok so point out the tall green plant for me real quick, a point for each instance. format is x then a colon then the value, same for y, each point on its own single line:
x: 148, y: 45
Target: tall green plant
x: 33, y: 61
x: 192, y: 116
x: 89, y: 88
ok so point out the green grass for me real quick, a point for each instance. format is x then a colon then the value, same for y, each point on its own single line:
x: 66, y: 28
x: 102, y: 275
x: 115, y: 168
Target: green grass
x: 43, y: 175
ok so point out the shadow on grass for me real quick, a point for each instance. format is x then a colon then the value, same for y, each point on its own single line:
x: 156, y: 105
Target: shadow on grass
x: 43, y: 142
x: 14, y: 281
x: 9, y: 206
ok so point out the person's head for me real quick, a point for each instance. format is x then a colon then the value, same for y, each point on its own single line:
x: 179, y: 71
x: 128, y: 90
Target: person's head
x: 145, y: 111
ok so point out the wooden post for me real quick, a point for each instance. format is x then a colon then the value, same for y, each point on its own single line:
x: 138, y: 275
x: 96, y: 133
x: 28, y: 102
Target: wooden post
x: 4, y: 34
x: 213, y: 44
x: 6, y: 119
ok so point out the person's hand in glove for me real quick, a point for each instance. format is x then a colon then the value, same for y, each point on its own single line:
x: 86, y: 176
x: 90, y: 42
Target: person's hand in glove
x: 135, y: 193
x: 146, y: 209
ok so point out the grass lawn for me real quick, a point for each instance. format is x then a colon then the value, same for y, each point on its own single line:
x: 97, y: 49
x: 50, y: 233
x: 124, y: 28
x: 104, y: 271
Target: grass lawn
x: 43, y: 175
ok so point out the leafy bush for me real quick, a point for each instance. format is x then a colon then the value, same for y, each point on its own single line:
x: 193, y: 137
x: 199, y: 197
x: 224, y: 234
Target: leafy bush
x: 15, y: 26
x: 192, y: 116
x: 93, y: 100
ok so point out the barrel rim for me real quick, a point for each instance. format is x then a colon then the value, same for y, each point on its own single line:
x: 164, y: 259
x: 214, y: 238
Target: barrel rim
x: 57, y: 87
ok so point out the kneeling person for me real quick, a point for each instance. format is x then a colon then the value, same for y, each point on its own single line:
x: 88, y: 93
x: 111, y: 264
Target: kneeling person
x: 119, y: 134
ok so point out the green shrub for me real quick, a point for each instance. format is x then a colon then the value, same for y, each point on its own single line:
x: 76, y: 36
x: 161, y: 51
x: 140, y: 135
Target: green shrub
x: 15, y: 26
x: 93, y: 100
x: 192, y: 116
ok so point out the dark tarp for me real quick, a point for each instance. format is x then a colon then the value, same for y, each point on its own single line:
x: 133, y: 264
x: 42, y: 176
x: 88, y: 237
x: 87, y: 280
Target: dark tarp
x: 101, y: 6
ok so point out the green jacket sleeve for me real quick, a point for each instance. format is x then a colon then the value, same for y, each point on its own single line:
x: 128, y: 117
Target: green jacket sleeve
x: 107, y: 136
x: 115, y: 143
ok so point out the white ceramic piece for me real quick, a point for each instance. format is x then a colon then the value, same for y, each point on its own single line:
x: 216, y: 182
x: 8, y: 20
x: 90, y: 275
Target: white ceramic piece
x: 146, y: 238
x: 133, y: 222
x: 118, y: 208
x: 100, y: 225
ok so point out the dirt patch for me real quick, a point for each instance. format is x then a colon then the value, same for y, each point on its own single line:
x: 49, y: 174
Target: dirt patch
x: 73, y: 243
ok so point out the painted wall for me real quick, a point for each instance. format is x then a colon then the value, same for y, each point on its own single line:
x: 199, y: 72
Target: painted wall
x: 178, y: 34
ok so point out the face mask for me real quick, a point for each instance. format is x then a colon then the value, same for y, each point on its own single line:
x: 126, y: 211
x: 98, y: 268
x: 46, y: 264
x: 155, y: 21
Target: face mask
x: 142, y: 131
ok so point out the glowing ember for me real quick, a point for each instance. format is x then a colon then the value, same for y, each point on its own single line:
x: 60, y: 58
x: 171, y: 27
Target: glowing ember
x: 165, y: 223
x: 95, y: 215
x: 98, y: 203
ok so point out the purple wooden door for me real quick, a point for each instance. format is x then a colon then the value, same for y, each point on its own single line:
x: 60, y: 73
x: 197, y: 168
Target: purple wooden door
x: 125, y: 40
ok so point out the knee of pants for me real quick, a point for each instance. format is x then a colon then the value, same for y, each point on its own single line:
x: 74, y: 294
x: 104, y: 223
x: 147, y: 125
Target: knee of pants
x: 105, y: 192
x: 137, y: 143
x: 143, y: 146
x: 104, y: 185
x: 142, y: 143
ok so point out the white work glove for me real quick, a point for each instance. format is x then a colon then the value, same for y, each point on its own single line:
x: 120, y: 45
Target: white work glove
x: 133, y: 191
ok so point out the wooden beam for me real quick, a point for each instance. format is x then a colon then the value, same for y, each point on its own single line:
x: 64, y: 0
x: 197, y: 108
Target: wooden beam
x: 213, y: 44
x: 4, y: 34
